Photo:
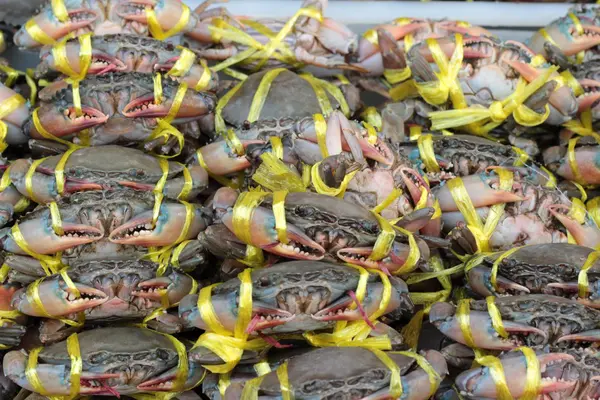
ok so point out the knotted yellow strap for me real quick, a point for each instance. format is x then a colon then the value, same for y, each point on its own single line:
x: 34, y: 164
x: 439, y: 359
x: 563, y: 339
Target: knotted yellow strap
x: 322, y: 188
x: 582, y: 278
x: 156, y: 30
x: 6, y: 108
x: 59, y: 52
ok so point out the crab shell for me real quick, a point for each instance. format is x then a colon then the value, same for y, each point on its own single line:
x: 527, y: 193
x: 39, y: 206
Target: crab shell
x: 534, y: 319
x: 344, y: 377
x: 105, y: 167
x: 127, y: 53
x: 298, y: 296
x: 115, y: 361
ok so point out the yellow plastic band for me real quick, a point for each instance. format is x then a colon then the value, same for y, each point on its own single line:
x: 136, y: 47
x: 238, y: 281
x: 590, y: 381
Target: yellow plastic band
x: 204, y: 78
x: 262, y: 368
x: 320, y: 93
x: 37, y: 34
x: 42, y: 131
x: 220, y: 126
x: 395, y: 377
x: 222, y: 180
x: 11, y: 74
x: 76, y: 363
x: 385, y: 239
x: 284, y: 382
x: 279, y: 212
x: 29, y: 179
x: 579, y: 29
x: 434, y: 377
x: 157, y: 31
x: 496, y: 317
x: 207, y: 311
x: 59, y: 52
x: 59, y: 171
x: 243, y: 210
x: 56, y: 220
x: 322, y: 188
x: 187, y: 184
x: 31, y: 372
x: 277, y: 147
x: 533, y: 378
x: 260, y: 96
x: 425, y: 144
x: 497, y: 373
x: 274, y: 175
x: 582, y: 278
x: 462, y: 314
x: 183, y: 64
x: 373, y: 117
x: 321, y: 130
x: 394, y: 194
x: 336, y: 93
x: 522, y: 157
x: 394, y: 76
x: 496, y: 265
x: 371, y: 133
x: 7, y: 107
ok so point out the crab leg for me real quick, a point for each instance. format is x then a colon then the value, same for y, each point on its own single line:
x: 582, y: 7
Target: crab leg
x: 442, y: 315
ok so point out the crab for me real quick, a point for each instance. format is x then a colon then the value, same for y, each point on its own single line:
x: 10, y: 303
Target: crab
x: 564, y: 374
x: 117, y: 108
x: 369, y: 54
x: 490, y: 72
x: 531, y: 320
x: 533, y: 214
x: 543, y: 268
x: 127, y: 53
x: 346, y: 378
x: 120, y: 217
x: 111, y: 289
x: 300, y: 296
x: 116, y: 361
x: 15, y: 14
x: 320, y: 227
x: 566, y: 36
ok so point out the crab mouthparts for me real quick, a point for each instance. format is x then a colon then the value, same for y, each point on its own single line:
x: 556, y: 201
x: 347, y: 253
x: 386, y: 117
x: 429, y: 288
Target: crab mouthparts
x: 145, y: 107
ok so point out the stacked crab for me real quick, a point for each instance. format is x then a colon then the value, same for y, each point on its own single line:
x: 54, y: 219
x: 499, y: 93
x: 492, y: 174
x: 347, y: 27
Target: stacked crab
x: 186, y: 209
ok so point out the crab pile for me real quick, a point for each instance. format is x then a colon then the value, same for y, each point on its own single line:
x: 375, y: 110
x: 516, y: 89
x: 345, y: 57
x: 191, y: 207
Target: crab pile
x: 186, y: 211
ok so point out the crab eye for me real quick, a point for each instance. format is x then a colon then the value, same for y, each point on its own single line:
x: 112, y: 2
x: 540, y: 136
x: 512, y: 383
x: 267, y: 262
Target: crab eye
x: 99, y: 357
x: 162, y: 354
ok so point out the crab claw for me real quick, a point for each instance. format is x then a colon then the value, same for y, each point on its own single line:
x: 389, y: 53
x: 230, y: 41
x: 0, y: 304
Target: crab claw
x: 49, y: 24
x: 417, y: 186
x: 55, y: 379
x: 479, y: 279
x: 192, y: 77
x: 14, y: 121
x: 591, y: 88
x: 168, y: 12
x: 442, y: 316
x: 62, y: 122
x: 100, y: 63
x: 587, y: 160
x: 264, y: 316
x: 478, y: 382
x: 592, y: 335
x: 394, y: 260
x: 481, y: 190
x: 141, y: 231
x: 194, y: 104
x: 165, y: 381
x: 221, y: 160
x: 42, y: 239
x: 58, y: 299
x: 571, y: 288
x: 340, y: 310
x: 177, y: 286
x: 586, y: 234
x: 264, y: 235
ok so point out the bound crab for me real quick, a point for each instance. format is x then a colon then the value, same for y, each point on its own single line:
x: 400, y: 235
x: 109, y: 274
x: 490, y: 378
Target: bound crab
x: 302, y: 296
x: 527, y: 271
x: 120, y: 108
x: 115, y: 362
x: 415, y: 380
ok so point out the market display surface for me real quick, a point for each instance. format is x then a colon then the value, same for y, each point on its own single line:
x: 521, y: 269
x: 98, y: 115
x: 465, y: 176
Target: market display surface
x: 195, y: 204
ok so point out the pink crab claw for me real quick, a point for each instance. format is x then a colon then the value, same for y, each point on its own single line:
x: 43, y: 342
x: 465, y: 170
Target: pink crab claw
x: 58, y: 299
x: 586, y: 234
x: 264, y: 235
x: 64, y: 122
x: 221, y: 160
x: 140, y: 230
x: 592, y: 335
x: 480, y: 188
x: 478, y: 382
x: 587, y: 160
x: 480, y: 281
x: 55, y: 378
x: 194, y: 105
x: 42, y: 239
x: 448, y: 46
x: 562, y: 99
x: 264, y: 316
x: 588, y: 40
x: 442, y: 316
x: 591, y: 300
x: 165, y: 381
x: 78, y: 18
x: 342, y: 135
x: 414, y: 182
x: 340, y: 310
x: 176, y: 285
x: 591, y: 88
x: 394, y: 260
x: 168, y: 13
x: 192, y: 77
x: 101, y: 62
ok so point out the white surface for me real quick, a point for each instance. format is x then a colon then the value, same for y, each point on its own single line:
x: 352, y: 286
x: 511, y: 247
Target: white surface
x: 489, y: 14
